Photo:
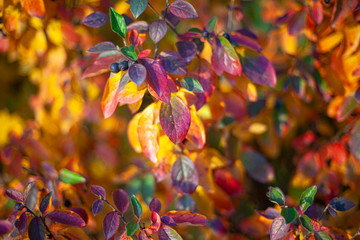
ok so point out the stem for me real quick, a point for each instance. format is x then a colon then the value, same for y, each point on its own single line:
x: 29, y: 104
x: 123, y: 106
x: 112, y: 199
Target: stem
x: 230, y: 13
x: 166, y: 8
x: 322, y: 214
x: 50, y: 235
x: 118, y: 212
x: 355, y: 235
x: 156, y: 50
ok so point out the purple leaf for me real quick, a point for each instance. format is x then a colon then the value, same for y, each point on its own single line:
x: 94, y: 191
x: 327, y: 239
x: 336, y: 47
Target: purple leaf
x: 247, y: 33
x: 174, y: 20
x: 49, y: 171
x: 357, y: 95
x: 168, y: 233
x: 168, y: 221
x: 111, y: 224
x: 269, y: 213
x: 14, y: 195
x: 297, y: 22
x: 157, y: 30
x: 121, y: 200
x: 5, y: 227
x: 341, y: 204
x: 45, y: 203
x: 259, y: 70
x: 173, y: 62
x: 183, y: 9
x: 354, y: 141
x: 155, y: 205
x: 226, y: 57
x: 157, y: 77
x: 278, y: 228
x: 332, y: 211
x: 137, y: 73
x: 187, y: 218
x: 246, y: 42
x: 96, y: 19
x: 175, y: 119
x: 101, y: 65
x: 257, y: 167
x: 32, y: 197
x: 187, y: 50
x: 98, y: 191
x: 66, y: 217
x: 36, y: 229
x: 97, y: 206
x: 81, y: 212
x: 184, y: 175
x: 22, y: 223
x: 102, y: 47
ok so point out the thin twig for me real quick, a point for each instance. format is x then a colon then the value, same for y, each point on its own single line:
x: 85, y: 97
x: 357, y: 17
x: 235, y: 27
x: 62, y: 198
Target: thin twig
x: 322, y: 214
x: 118, y: 212
x: 50, y: 235
x: 230, y: 13
x: 355, y: 235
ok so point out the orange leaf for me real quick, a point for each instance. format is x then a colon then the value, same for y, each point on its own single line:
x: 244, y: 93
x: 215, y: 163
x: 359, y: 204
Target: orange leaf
x: 35, y: 8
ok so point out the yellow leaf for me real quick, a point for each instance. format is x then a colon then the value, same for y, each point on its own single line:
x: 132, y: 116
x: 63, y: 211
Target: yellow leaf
x: 329, y: 42
x: 54, y: 33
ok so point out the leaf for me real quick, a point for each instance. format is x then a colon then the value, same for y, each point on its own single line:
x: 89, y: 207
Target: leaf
x: 98, y: 191
x: 317, y: 12
x: 275, y: 195
x: 131, y: 228
x: 332, y: 211
x: 136, y: 206
x: 226, y: 181
x: 111, y: 224
x: 95, y: 19
x: 155, y: 205
x: 168, y: 221
x: 307, y: 198
x: 148, y: 187
x: 70, y: 177
x: 144, y: 54
x: 118, y: 24
x: 347, y: 107
x: 191, y: 84
x: 137, y: 7
x: 157, y: 77
x: 101, y: 65
x: 35, y: 8
x: 5, y: 227
x: 322, y: 236
x: 354, y: 141
x: 157, y: 30
x: 306, y: 223
x: 269, y: 213
x: 259, y: 70
x: 81, y: 212
x: 184, y: 175
x: 137, y: 73
x: 297, y: 22
x: 142, y: 235
x: 183, y: 9
x: 278, y: 228
x: 110, y: 96
x: 175, y: 119
x: 289, y: 214
x: 121, y: 200
x: 226, y: 57
x: 102, y: 47
x: 187, y: 50
x: 155, y: 223
x: 168, y: 233
x: 211, y: 25
x: 22, y: 223
x: 246, y: 41
x: 341, y: 204
x: 342, y: 10
x: 66, y: 217
x: 44, y: 204
x: 187, y: 218
x: 31, y: 197
x: 36, y: 229
x: 257, y: 167
x: 14, y: 195
x: 173, y: 62
x: 97, y: 206
x: 129, y: 51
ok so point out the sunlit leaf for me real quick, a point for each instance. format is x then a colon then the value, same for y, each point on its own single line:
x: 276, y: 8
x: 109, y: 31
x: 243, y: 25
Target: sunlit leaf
x: 275, y: 195
x: 187, y: 218
x: 110, y: 96
x: 129, y: 51
x: 278, y: 228
x: 70, y: 177
x: 155, y: 223
x: 35, y: 8
x: 118, y: 24
x: 157, y: 77
x: 168, y: 233
x: 307, y: 198
x: 226, y: 57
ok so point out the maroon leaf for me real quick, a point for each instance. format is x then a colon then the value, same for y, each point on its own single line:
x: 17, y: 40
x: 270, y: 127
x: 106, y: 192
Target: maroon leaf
x: 165, y: 98
x: 97, y: 206
x: 173, y: 62
x: 111, y: 224
x: 168, y: 233
x: 317, y: 11
x: 137, y: 73
x: 14, y: 195
x: 134, y: 38
x: 187, y: 218
x: 121, y: 200
x: 100, y: 65
x: 66, y: 217
x: 168, y: 221
x: 155, y: 205
x: 257, y: 167
x: 5, y: 227
x: 81, y: 212
x: 226, y: 57
x: 98, y: 191
x: 22, y: 223
x: 36, y: 229
x: 175, y: 119
x: 45, y: 203
x: 183, y: 9
x: 184, y: 175
x: 297, y: 22
x: 96, y: 19
x: 102, y: 47
x: 259, y: 70
x: 157, y: 30
x: 246, y: 42
x: 187, y: 50
x: 32, y: 197
x: 156, y: 77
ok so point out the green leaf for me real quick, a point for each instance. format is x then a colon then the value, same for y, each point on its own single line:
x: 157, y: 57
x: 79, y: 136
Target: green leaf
x: 148, y: 187
x: 131, y: 228
x: 211, y: 25
x: 306, y: 223
x: 322, y: 236
x: 307, y: 198
x: 137, y: 7
x: 195, y: 30
x: 136, y: 206
x: 129, y: 51
x: 192, y: 85
x: 70, y: 177
x: 118, y: 24
x: 276, y: 196
x: 290, y: 214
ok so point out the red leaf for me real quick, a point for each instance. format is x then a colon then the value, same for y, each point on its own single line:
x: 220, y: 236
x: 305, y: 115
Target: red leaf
x: 155, y: 223
x: 134, y: 38
x: 187, y: 218
x: 156, y: 77
x: 175, y: 119
x: 111, y: 224
x: 121, y: 200
x: 144, y: 53
x: 100, y: 65
x: 224, y: 179
x: 317, y: 11
x: 35, y: 8
x: 66, y: 217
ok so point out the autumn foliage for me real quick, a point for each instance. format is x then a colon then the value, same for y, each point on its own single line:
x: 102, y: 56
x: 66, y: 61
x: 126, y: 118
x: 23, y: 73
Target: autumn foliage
x: 180, y: 119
